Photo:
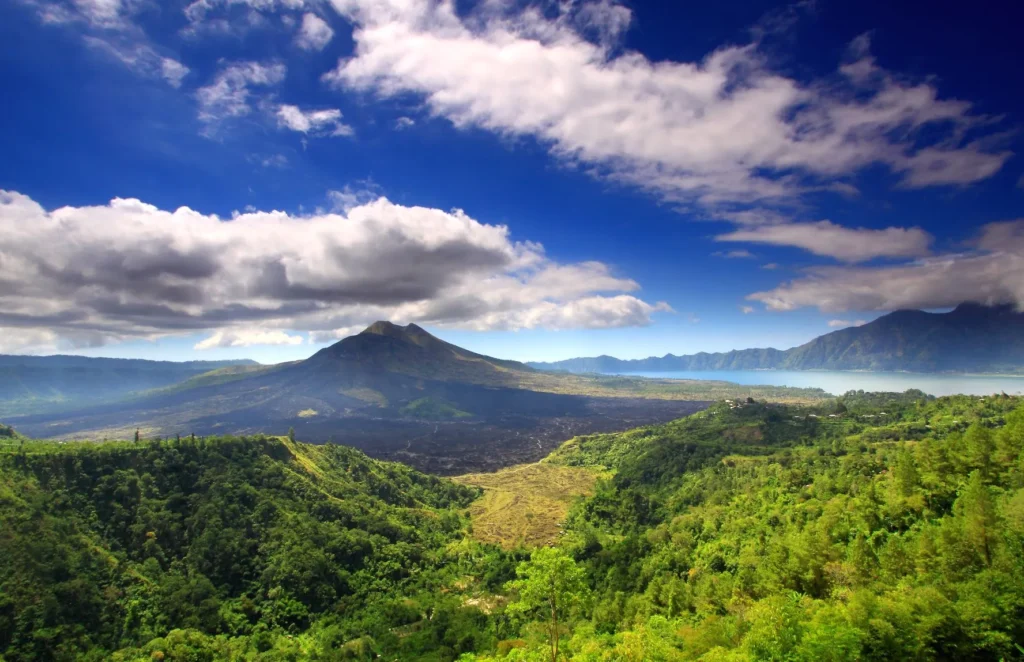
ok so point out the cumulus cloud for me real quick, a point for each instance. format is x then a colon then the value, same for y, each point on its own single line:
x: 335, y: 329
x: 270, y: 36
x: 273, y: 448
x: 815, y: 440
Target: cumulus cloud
x: 313, y: 122
x: 314, y: 33
x: 723, y: 130
x: 841, y: 324
x: 129, y: 270
x: 173, y: 71
x: 230, y: 94
x: 212, y: 15
x: 992, y: 272
x: 247, y: 338
x: 846, y: 244
x: 404, y: 123
x: 28, y: 341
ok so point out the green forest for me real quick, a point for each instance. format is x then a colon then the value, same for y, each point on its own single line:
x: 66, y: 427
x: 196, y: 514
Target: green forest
x: 872, y: 526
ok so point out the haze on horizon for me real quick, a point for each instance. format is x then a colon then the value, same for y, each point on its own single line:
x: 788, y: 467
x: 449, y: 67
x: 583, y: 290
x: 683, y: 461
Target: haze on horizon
x: 260, y: 179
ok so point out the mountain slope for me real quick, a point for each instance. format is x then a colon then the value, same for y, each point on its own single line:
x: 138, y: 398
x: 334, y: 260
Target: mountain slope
x: 970, y: 338
x: 38, y: 383
x: 116, y: 546
x: 400, y: 393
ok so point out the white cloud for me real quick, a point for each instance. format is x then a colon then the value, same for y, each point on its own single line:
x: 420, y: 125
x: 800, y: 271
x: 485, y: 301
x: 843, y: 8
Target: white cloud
x: 746, y: 310
x: 314, y: 33
x: 846, y: 244
x: 771, y: 266
x: 726, y: 129
x: 734, y: 255
x: 269, y: 161
x: 28, y: 341
x: 314, y: 122
x: 247, y: 338
x: 841, y: 324
x: 129, y: 270
x: 229, y: 94
x: 107, y: 26
x: 173, y: 71
x: 199, y: 11
x: 404, y: 123
x: 993, y: 272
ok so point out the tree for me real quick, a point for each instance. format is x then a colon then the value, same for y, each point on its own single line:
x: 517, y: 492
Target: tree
x: 978, y: 509
x: 980, y: 448
x: 550, y: 585
x: 905, y: 472
x: 137, y: 435
x: 291, y: 434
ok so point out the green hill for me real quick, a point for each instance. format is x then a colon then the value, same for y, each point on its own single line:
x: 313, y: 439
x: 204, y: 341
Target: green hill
x: 212, y: 548
x: 871, y: 527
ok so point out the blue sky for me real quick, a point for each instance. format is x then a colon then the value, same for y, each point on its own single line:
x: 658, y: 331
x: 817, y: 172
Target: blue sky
x: 533, y: 181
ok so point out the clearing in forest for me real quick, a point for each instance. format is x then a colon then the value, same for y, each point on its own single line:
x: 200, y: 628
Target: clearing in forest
x: 525, y: 504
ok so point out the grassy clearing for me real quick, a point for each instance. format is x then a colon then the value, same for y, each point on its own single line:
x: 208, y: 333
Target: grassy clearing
x: 524, y: 505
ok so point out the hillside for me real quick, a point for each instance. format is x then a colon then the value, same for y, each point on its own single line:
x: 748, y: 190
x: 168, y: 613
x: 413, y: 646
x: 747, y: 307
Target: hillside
x: 31, y: 384
x: 762, y: 532
x: 872, y: 527
x: 970, y: 338
x: 400, y: 393
x: 153, y: 549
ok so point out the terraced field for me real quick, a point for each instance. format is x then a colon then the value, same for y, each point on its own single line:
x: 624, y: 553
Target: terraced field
x: 524, y: 505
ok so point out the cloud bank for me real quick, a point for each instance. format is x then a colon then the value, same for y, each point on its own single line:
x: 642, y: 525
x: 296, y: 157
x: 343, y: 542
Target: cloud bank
x: 723, y: 130
x: 991, y: 272
x: 89, y: 275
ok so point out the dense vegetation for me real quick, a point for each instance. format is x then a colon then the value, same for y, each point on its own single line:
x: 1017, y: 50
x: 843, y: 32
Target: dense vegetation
x: 875, y: 526
x: 971, y: 338
x: 202, y: 549
x: 757, y: 532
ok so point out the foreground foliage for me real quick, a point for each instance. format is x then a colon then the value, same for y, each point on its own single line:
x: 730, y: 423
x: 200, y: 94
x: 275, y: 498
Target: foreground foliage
x: 219, y: 548
x: 840, y: 533
x: 875, y: 526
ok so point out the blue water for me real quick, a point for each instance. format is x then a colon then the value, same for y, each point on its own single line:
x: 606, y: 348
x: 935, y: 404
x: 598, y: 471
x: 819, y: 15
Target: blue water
x: 839, y: 382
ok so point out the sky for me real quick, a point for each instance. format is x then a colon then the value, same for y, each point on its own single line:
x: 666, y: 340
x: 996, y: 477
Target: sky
x: 536, y: 181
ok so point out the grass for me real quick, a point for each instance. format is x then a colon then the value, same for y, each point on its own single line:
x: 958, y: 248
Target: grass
x: 433, y: 410
x: 367, y: 395
x: 525, y: 505
x: 308, y: 413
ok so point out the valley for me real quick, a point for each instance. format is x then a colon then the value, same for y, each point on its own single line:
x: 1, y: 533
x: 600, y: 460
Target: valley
x: 854, y: 518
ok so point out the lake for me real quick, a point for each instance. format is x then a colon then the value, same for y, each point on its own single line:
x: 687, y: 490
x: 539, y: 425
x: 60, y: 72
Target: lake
x: 839, y: 382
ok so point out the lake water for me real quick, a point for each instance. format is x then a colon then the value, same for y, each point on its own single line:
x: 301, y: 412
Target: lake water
x: 839, y: 382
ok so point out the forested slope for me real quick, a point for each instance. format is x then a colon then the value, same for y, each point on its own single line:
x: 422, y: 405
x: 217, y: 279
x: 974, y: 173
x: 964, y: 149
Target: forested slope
x: 219, y: 548
x: 874, y: 527
x: 768, y: 533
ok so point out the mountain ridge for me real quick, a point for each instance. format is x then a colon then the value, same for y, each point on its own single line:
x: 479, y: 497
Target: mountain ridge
x: 400, y: 393
x: 970, y: 338
x: 30, y: 383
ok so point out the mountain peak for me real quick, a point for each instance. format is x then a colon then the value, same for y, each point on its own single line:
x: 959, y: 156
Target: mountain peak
x: 386, y: 328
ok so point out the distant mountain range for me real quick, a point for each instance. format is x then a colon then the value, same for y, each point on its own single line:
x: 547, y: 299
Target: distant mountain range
x: 39, y: 383
x: 970, y: 338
